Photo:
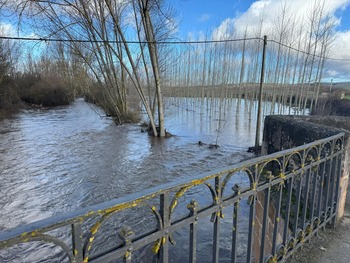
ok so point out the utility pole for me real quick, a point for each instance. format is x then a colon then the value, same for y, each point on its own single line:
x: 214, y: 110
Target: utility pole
x: 258, y: 128
x: 330, y: 86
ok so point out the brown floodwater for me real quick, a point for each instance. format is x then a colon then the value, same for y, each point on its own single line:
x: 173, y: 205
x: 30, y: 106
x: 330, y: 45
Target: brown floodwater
x: 57, y: 160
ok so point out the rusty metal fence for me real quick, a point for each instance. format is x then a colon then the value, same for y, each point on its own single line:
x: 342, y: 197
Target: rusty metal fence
x: 260, y: 210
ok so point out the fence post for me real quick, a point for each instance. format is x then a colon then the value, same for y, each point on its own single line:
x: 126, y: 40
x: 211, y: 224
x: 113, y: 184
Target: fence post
x: 258, y: 124
x: 77, y: 243
x: 164, y: 211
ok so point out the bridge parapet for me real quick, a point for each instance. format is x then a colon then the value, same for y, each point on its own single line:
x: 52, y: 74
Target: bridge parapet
x: 285, y: 132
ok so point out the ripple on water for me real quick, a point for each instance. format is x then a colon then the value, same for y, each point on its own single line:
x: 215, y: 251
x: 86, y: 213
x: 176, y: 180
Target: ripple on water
x: 58, y: 160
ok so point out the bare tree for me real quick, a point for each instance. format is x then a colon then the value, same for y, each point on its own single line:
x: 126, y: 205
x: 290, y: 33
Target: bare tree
x: 9, y: 54
x: 145, y: 7
x: 110, y: 58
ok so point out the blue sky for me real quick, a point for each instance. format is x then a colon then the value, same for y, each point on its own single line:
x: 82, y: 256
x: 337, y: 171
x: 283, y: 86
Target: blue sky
x: 203, y: 15
x: 224, y: 18
x: 197, y: 15
x: 219, y: 19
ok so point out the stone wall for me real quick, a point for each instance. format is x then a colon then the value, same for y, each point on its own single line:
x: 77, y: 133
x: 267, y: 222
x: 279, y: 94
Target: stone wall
x: 284, y: 132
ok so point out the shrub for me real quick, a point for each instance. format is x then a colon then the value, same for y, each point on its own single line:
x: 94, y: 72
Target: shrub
x: 46, y: 91
x: 332, y: 106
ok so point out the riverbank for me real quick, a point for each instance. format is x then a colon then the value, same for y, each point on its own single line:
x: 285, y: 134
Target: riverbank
x: 6, y: 113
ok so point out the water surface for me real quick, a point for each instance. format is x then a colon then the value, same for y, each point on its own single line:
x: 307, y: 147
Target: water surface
x: 57, y: 160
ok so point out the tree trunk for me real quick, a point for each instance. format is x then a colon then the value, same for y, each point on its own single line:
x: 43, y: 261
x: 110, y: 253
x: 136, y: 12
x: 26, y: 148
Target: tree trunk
x: 152, y: 47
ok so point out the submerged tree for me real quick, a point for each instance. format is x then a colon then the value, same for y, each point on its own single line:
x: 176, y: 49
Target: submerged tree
x: 113, y: 62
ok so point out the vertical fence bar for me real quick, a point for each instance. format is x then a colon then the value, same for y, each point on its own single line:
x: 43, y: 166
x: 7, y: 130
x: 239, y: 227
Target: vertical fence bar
x: 234, y: 233
x: 127, y: 234
x: 288, y: 208
x: 193, y: 207
x: 314, y: 193
x: 328, y: 182
x: 306, y: 197
x: 320, y: 191
x: 216, y: 238
x: 297, y: 206
x: 277, y: 220
x: 314, y: 179
x: 164, y: 211
x: 265, y: 223
x: 77, y: 242
x: 251, y: 228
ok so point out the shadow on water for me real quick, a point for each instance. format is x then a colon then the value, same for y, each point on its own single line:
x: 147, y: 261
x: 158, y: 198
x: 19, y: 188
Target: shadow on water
x: 57, y: 160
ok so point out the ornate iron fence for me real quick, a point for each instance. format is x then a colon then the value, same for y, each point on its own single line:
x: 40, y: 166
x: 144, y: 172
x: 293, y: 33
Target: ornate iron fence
x: 260, y: 210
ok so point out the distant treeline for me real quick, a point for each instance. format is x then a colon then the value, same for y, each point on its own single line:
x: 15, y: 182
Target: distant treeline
x: 333, y: 106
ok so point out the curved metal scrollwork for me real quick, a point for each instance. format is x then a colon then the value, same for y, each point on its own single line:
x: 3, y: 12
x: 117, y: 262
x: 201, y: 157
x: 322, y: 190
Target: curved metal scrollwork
x: 293, y: 162
x: 247, y: 171
x: 291, y: 195
x: 42, y: 237
x: 125, y: 233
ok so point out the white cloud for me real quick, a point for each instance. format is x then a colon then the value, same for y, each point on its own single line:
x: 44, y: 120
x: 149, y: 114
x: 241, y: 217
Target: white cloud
x: 262, y: 18
x: 341, y: 50
x: 341, y: 45
x: 266, y: 11
x: 204, y: 17
x: 7, y: 30
x: 225, y: 30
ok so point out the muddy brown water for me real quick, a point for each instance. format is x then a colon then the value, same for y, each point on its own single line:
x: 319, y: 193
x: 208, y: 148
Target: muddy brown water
x: 57, y: 160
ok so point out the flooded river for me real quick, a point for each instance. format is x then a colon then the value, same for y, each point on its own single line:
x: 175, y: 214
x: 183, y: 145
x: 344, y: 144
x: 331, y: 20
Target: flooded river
x: 57, y: 160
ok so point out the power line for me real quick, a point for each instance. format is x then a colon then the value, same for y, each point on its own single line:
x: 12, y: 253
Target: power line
x: 308, y: 53
x: 165, y: 42
x: 127, y: 42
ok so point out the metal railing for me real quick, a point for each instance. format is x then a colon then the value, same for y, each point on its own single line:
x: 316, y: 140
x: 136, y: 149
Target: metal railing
x: 260, y: 210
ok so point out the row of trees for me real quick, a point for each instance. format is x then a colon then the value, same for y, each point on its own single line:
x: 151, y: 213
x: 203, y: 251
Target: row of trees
x: 297, y: 52
x: 109, y: 69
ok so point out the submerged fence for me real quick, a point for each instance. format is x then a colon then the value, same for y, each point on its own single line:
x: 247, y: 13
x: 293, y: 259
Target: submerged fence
x: 260, y: 210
